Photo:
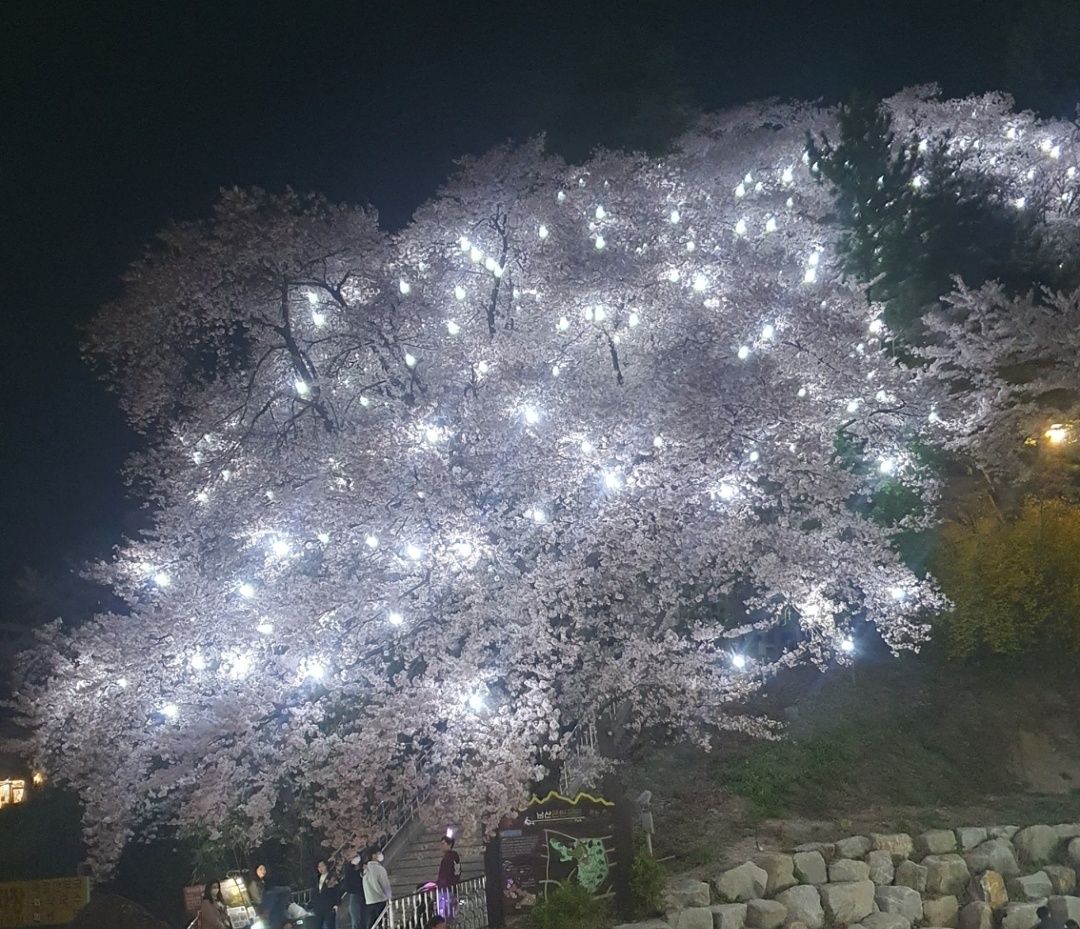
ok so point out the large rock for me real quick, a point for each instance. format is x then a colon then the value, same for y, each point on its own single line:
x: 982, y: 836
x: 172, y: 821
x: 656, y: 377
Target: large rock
x: 810, y: 867
x: 693, y: 917
x: 1074, y: 852
x: 881, y: 867
x: 1063, y: 908
x: 765, y: 914
x: 945, y: 875
x: 1067, y: 831
x: 1020, y: 916
x: 1003, y: 832
x: 885, y: 921
x: 909, y: 874
x: 941, y: 911
x: 846, y: 869
x: 728, y: 915
x: 109, y: 911
x: 1037, y: 845
x: 780, y: 870
x: 976, y: 915
x: 847, y: 903
x: 897, y: 844
x: 681, y: 892
x: 970, y: 837
x: 1062, y: 878
x: 994, y: 855
x: 803, y: 905
x: 827, y: 850
x: 855, y: 846
x: 902, y: 900
x: 936, y: 842
x: 989, y: 887
x: 746, y: 882
x: 1030, y: 888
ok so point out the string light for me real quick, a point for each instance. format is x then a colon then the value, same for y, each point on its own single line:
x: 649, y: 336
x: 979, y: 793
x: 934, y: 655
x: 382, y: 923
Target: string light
x: 302, y: 387
x: 738, y: 661
x: 674, y: 217
x: 563, y: 324
x: 371, y: 541
x: 405, y: 287
x: 464, y: 244
x: 246, y: 590
x: 316, y: 671
x: 312, y: 297
x: 410, y: 360
x: 700, y: 282
x: 170, y: 711
x: 265, y: 628
x: 770, y: 224
x: 530, y: 415
x: 601, y: 213
x: 887, y: 465
x: 476, y: 703
x: 847, y: 645
x: 198, y: 662
x: 396, y: 619
x: 319, y: 319
x: 586, y: 446
x: 452, y: 327
x: 740, y: 227
x: 726, y: 492
x: 542, y: 231
x: 612, y: 480
x: 744, y: 352
x: 459, y: 292
x: 633, y: 319
x: 280, y: 548
x: 162, y: 579
x: 600, y: 243
x: 768, y: 331
x: 414, y: 552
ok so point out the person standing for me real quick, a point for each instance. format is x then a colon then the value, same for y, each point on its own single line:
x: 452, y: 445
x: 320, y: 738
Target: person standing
x: 212, y: 911
x: 325, y: 896
x: 257, y: 886
x: 448, y: 877
x: 377, y: 889
x: 354, y: 890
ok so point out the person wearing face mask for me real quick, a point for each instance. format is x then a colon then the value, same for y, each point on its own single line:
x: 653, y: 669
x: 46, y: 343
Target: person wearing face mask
x: 354, y: 890
x: 377, y: 889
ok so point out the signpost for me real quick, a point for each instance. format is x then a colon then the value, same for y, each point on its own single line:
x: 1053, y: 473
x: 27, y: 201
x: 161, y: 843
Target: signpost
x: 554, y: 841
x: 42, y: 903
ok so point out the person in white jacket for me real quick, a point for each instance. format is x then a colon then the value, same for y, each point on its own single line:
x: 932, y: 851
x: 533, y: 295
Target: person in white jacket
x: 377, y: 890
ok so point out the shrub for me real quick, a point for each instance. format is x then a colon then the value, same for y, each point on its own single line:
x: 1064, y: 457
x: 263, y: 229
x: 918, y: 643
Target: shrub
x: 647, y: 880
x: 570, y: 907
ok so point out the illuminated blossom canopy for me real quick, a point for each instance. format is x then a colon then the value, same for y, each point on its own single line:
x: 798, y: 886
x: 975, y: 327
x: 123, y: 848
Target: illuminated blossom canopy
x: 578, y: 436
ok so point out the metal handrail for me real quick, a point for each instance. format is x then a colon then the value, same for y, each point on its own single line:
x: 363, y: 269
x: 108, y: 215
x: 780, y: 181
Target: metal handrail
x: 465, y: 905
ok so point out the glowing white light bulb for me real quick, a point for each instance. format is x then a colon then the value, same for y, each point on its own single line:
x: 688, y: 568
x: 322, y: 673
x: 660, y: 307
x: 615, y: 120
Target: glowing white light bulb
x: 852, y: 406
x: 365, y: 401
x: 886, y: 466
x: 673, y: 275
x: 542, y: 231
x: 897, y: 593
x: 312, y: 297
x: 876, y: 326
x: 537, y: 515
x: 770, y: 224
x: 674, y: 216
x: 740, y: 227
x: 246, y: 590
x: 301, y: 387
x: 1055, y: 152
x: 739, y: 661
x: 744, y: 352
x: 586, y: 446
x: 740, y: 190
x: 475, y: 255
x: 1010, y: 133
x: 563, y: 324
x: 371, y: 541
x: 691, y: 245
x: 600, y: 212
x: 482, y: 367
x: 198, y: 662
x: 598, y: 314
x: 881, y: 396
x: 790, y: 202
x: 170, y: 711
x: 633, y: 319
x: 452, y: 327
x: 657, y: 442
x: 280, y: 548
x: 404, y: 286
x: 476, y: 703
x: 918, y: 182
x: 410, y: 360
x: 265, y: 628
x: 530, y: 415
x: 811, y: 275
x: 1020, y: 202
x: 202, y: 496
x: 162, y: 579
x: 414, y: 552
x: 787, y: 176
x: 612, y: 480
x: 923, y: 145
x: 561, y: 196
x: 700, y: 282
x: 490, y: 264
x: 802, y: 392
x: 464, y: 244
x: 1070, y: 171
x: 754, y: 455
x: 459, y: 292
x: 396, y: 619
x: 315, y: 670
x: 122, y: 683
x: 433, y: 434
x: 726, y: 492
x: 768, y: 331
x: 318, y: 319
x: 555, y: 370
x: 600, y: 243
x: 749, y: 179
x: 814, y: 259
x: 240, y: 666
x: 847, y: 645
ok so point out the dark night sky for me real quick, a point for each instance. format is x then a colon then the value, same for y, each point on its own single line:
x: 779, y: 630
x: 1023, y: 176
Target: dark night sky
x: 121, y: 115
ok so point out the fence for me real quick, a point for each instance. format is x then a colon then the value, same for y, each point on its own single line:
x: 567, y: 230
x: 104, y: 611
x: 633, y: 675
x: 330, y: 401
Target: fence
x: 468, y: 905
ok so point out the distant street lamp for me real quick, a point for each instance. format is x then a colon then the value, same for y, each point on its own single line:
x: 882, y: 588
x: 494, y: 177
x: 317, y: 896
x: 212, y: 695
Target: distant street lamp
x: 1057, y: 433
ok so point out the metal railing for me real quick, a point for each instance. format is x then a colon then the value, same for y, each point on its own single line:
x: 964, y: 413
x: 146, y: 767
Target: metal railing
x: 465, y: 907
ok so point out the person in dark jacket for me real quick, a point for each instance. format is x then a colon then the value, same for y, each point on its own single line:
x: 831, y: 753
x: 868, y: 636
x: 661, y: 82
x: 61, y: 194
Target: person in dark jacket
x: 354, y: 890
x: 256, y: 886
x: 325, y: 896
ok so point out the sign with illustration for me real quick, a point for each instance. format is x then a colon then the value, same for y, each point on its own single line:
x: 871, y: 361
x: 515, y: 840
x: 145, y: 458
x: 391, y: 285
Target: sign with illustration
x: 557, y: 840
x: 52, y: 902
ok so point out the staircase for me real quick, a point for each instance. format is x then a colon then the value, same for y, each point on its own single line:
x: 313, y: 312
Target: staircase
x: 412, y: 857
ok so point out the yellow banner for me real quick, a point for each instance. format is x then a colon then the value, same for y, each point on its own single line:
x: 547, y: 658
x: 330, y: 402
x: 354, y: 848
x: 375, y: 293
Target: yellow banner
x: 42, y: 903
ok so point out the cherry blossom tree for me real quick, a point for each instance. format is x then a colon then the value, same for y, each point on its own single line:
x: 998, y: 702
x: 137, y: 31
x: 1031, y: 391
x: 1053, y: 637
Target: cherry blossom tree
x: 421, y: 501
